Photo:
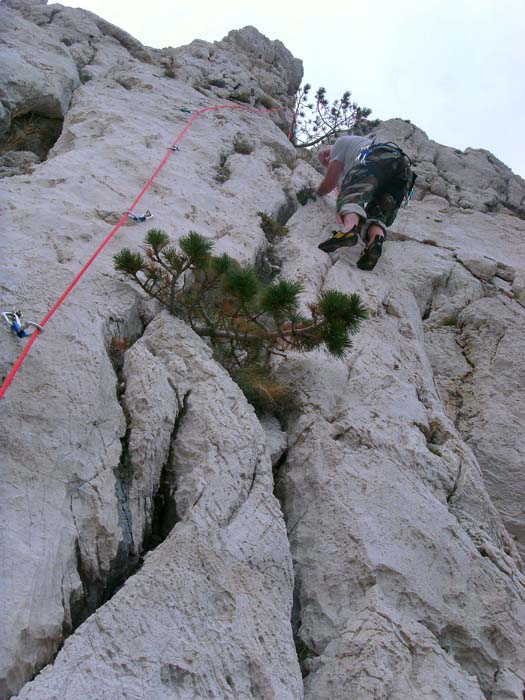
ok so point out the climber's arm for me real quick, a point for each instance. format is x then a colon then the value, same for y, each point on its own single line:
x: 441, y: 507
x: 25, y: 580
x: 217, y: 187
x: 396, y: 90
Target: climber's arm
x: 331, y: 178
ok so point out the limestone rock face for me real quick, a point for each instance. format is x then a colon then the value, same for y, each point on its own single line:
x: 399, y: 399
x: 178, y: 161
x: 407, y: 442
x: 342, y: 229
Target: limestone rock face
x: 144, y: 552
x: 44, y: 70
x: 208, y: 613
x: 245, y: 66
x: 374, y: 449
x: 473, y: 179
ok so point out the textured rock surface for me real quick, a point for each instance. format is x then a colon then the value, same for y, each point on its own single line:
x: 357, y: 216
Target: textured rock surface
x: 44, y: 72
x: 140, y: 534
x: 72, y: 474
x: 398, y: 584
x: 208, y: 613
x: 474, y: 322
x: 471, y: 179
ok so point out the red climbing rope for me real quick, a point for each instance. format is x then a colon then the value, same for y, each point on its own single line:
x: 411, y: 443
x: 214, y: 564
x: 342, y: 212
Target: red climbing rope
x: 75, y: 280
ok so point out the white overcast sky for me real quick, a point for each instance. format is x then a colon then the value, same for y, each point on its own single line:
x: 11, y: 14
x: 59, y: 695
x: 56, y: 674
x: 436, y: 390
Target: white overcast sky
x: 455, y: 68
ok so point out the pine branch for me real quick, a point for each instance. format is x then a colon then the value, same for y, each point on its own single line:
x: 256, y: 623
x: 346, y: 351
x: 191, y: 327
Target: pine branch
x: 247, y: 322
x: 330, y: 119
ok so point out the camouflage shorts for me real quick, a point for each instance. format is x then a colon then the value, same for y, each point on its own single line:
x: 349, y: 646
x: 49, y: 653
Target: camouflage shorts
x: 377, y: 186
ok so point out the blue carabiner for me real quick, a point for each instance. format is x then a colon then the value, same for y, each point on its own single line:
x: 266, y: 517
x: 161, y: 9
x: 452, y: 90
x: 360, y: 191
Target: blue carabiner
x: 363, y: 153
x: 136, y: 217
x: 15, y: 323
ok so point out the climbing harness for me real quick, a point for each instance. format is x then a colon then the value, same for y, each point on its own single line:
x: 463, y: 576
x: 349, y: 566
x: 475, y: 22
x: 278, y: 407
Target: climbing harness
x: 394, y: 148
x: 388, y: 146
x: 135, y: 217
x: 17, y: 325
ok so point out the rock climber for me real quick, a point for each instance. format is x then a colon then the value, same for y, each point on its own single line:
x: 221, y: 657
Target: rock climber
x: 373, y: 179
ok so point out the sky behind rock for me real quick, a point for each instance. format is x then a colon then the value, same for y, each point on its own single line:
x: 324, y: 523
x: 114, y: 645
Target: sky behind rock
x: 455, y: 68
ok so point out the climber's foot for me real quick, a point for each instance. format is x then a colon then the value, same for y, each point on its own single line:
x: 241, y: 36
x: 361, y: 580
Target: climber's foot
x: 340, y: 239
x: 371, y: 254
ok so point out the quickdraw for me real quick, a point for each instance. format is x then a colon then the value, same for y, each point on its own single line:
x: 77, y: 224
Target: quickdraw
x: 18, y: 326
x: 136, y: 217
x: 363, y: 153
x: 410, y: 192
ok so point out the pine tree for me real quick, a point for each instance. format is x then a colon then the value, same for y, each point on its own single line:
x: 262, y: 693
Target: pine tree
x: 247, y: 321
x: 319, y: 121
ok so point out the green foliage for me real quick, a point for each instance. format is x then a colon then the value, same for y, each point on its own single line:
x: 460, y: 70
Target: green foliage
x: 281, y: 298
x: 272, y: 228
x: 196, y: 248
x: 223, y: 172
x: 247, y: 321
x: 220, y: 264
x: 305, y: 194
x: 172, y: 259
x: 336, y: 339
x: 128, y: 262
x: 241, y: 283
x: 303, y: 651
x: 169, y: 72
x: 317, y: 120
x: 338, y: 307
x: 157, y: 239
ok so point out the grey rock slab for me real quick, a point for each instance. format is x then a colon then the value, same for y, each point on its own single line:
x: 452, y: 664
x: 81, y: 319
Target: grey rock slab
x: 383, y: 498
x: 380, y: 656
x: 245, y: 66
x: 208, y: 614
x: 152, y: 407
x: 491, y: 333
x: 37, y: 72
x: 66, y: 395
x: 473, y: 179
x: 113, y: 442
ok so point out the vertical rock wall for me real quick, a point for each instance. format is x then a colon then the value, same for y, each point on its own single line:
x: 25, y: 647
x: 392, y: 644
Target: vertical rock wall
x: 141, y: 539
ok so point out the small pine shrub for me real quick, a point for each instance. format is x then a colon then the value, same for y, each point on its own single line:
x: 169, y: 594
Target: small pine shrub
x: 247, y: 321
x: 316, y: 120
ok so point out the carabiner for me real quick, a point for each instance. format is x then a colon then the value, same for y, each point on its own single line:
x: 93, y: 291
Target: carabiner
x: 15, y: 323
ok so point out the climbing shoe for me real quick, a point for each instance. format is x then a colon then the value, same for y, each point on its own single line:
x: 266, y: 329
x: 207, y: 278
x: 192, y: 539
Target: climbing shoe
x: 340, y: 239
x: 371, y: 254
